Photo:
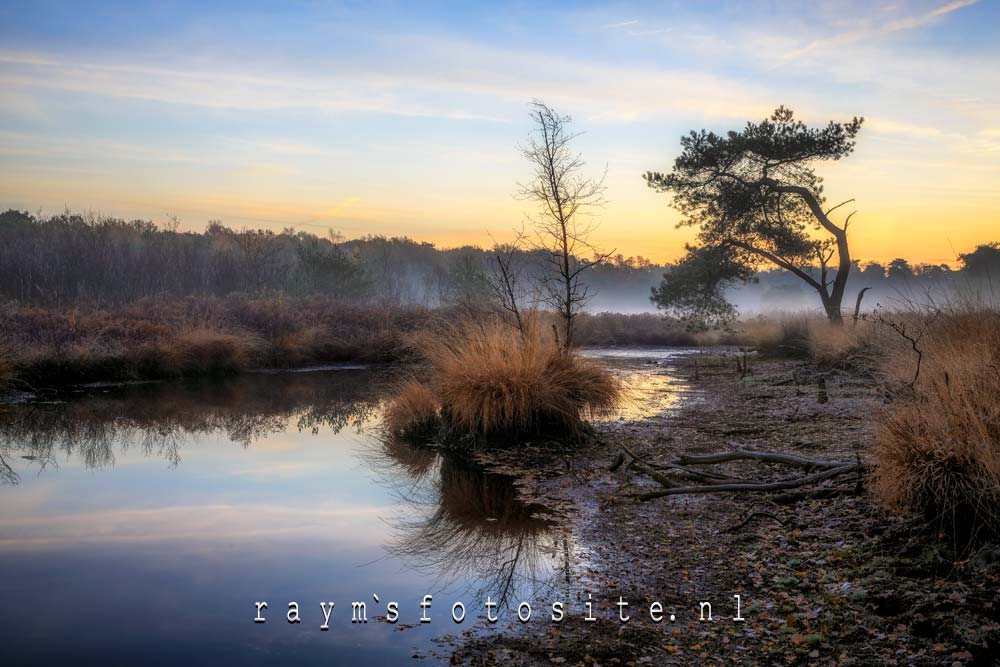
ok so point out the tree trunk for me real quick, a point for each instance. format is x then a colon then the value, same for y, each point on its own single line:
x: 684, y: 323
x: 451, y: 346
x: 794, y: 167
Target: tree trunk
x: 832, y: 305
x: 833, y: 311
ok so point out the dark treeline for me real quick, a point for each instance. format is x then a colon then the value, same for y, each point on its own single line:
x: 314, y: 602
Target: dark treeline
x: 72, y: 259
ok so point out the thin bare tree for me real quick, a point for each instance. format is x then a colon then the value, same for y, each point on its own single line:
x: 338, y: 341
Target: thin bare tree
x: 563, y: 224
x: 505, y: 280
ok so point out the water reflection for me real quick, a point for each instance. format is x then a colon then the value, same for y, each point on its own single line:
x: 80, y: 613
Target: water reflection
x: 158, y: 418
x: 310, y: 503
x: 468, y: 524
x: 166, y: 509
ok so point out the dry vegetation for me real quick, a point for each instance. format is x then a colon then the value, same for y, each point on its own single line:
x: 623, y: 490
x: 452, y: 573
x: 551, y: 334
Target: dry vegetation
x: 488, y: 378
x: 937, y: 447
x: 646, y: 329
x: 172, y: 337
x: 156, y: 338
x: 937, y: 442
x: 798, y: 335
x: 413, y: 411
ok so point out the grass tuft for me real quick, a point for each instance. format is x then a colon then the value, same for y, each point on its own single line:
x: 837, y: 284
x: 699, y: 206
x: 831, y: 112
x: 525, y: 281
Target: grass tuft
x: 413, y: 411
x: 491, y: 379
x: 780, y: 336
x: 937, y: 447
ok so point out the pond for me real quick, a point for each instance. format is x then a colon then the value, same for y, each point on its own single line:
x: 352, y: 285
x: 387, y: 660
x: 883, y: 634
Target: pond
x: 141, y: 524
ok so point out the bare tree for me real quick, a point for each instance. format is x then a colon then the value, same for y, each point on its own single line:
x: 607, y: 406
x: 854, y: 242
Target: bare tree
x: 566, y: 199
x: 505, y: 281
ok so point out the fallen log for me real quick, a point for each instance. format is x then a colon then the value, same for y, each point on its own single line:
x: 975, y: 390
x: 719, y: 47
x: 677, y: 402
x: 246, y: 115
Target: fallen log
x: 653, y: 469
x: 713, y: 482
x: 752, y: 487
x: 768, y: 457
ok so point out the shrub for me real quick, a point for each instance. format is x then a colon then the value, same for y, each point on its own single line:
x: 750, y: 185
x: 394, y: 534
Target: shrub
x: 412, y: 412
x: 491, y: 379
x: 808, y: 336
x: 782, y: 336
x: 208, y: 351
x: 838, y: 345
x: 937, y: 447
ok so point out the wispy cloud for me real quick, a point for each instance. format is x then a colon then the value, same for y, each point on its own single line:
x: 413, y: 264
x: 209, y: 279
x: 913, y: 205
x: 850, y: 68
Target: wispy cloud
x: 484, y: 85
x: 907, y: 23
x: 620, y: 24
x: 651, y: 31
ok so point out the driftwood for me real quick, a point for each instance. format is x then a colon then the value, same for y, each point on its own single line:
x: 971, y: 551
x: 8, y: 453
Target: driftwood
x: 817, y: 471
x: 752, y: 486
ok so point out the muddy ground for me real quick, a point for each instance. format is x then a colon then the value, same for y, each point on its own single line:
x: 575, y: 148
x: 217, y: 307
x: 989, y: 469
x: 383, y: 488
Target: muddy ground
x: 821, y: 582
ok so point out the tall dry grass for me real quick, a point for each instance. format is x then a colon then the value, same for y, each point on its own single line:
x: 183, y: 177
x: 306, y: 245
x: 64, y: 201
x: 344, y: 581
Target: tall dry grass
x: 169, y: 336
x: 490, y: 378
x: 937, y: 445
x: 809, y: 336
x: 157, y: 338
x: 413, y: 411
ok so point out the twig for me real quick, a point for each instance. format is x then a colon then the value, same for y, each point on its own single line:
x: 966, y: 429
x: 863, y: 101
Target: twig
x: 750, y: 517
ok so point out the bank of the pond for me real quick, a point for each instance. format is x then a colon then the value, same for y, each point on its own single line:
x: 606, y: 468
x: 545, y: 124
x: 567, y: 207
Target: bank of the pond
x: 824, y: 582
x: 169, y: 337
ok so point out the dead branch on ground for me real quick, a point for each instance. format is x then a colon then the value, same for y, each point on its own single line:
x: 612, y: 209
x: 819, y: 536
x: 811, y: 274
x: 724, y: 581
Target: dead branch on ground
x: 683, y: 467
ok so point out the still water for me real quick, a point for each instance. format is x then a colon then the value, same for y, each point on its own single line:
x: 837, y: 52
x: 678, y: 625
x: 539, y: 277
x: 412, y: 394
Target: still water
x: 140, y: 524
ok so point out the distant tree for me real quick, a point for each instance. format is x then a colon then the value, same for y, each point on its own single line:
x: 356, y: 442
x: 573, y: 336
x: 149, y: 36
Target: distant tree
x: 694, y: 286
x: 754, y: 197
x: 873, y: 272
x: 933, y: 272
x: 899, y: 270
x: 467, y: 283
x: 566, y: 199
x: 982, y: 262
x: 505, y: 280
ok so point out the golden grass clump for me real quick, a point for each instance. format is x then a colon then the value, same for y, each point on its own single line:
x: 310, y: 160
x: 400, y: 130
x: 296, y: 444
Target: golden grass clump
x: 780, y: 335
x: 206, y: 350
x: 937, y: 448
x: 807, y: 336
x: 833, y: 344
x: 490, y: 378
x: 412, y: 411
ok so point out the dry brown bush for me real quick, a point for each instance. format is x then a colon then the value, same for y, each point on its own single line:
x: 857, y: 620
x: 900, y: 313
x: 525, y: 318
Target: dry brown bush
x: 413, y: 410
x: 779, y: 335
x: 489, y: 378
x: 209, y: 351
x: 937, y: 446
x: 792, y: 335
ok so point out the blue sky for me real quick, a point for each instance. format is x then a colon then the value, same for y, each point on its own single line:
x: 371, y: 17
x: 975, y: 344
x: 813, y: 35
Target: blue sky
x: 402, y: 118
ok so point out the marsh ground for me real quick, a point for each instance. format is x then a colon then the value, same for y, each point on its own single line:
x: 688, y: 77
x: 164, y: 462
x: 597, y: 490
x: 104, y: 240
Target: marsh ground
x: 824, y: 582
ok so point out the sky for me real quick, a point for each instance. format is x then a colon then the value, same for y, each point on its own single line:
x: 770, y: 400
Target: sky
x: 404, y: 118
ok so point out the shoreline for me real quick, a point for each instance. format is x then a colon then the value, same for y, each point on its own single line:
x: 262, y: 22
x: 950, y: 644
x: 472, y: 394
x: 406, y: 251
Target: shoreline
x: 826, y: 582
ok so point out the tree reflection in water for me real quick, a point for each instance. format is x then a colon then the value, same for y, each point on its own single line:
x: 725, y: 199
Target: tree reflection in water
x: 463, y: 523
x: 459, y: 522
x: 159, y: 417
